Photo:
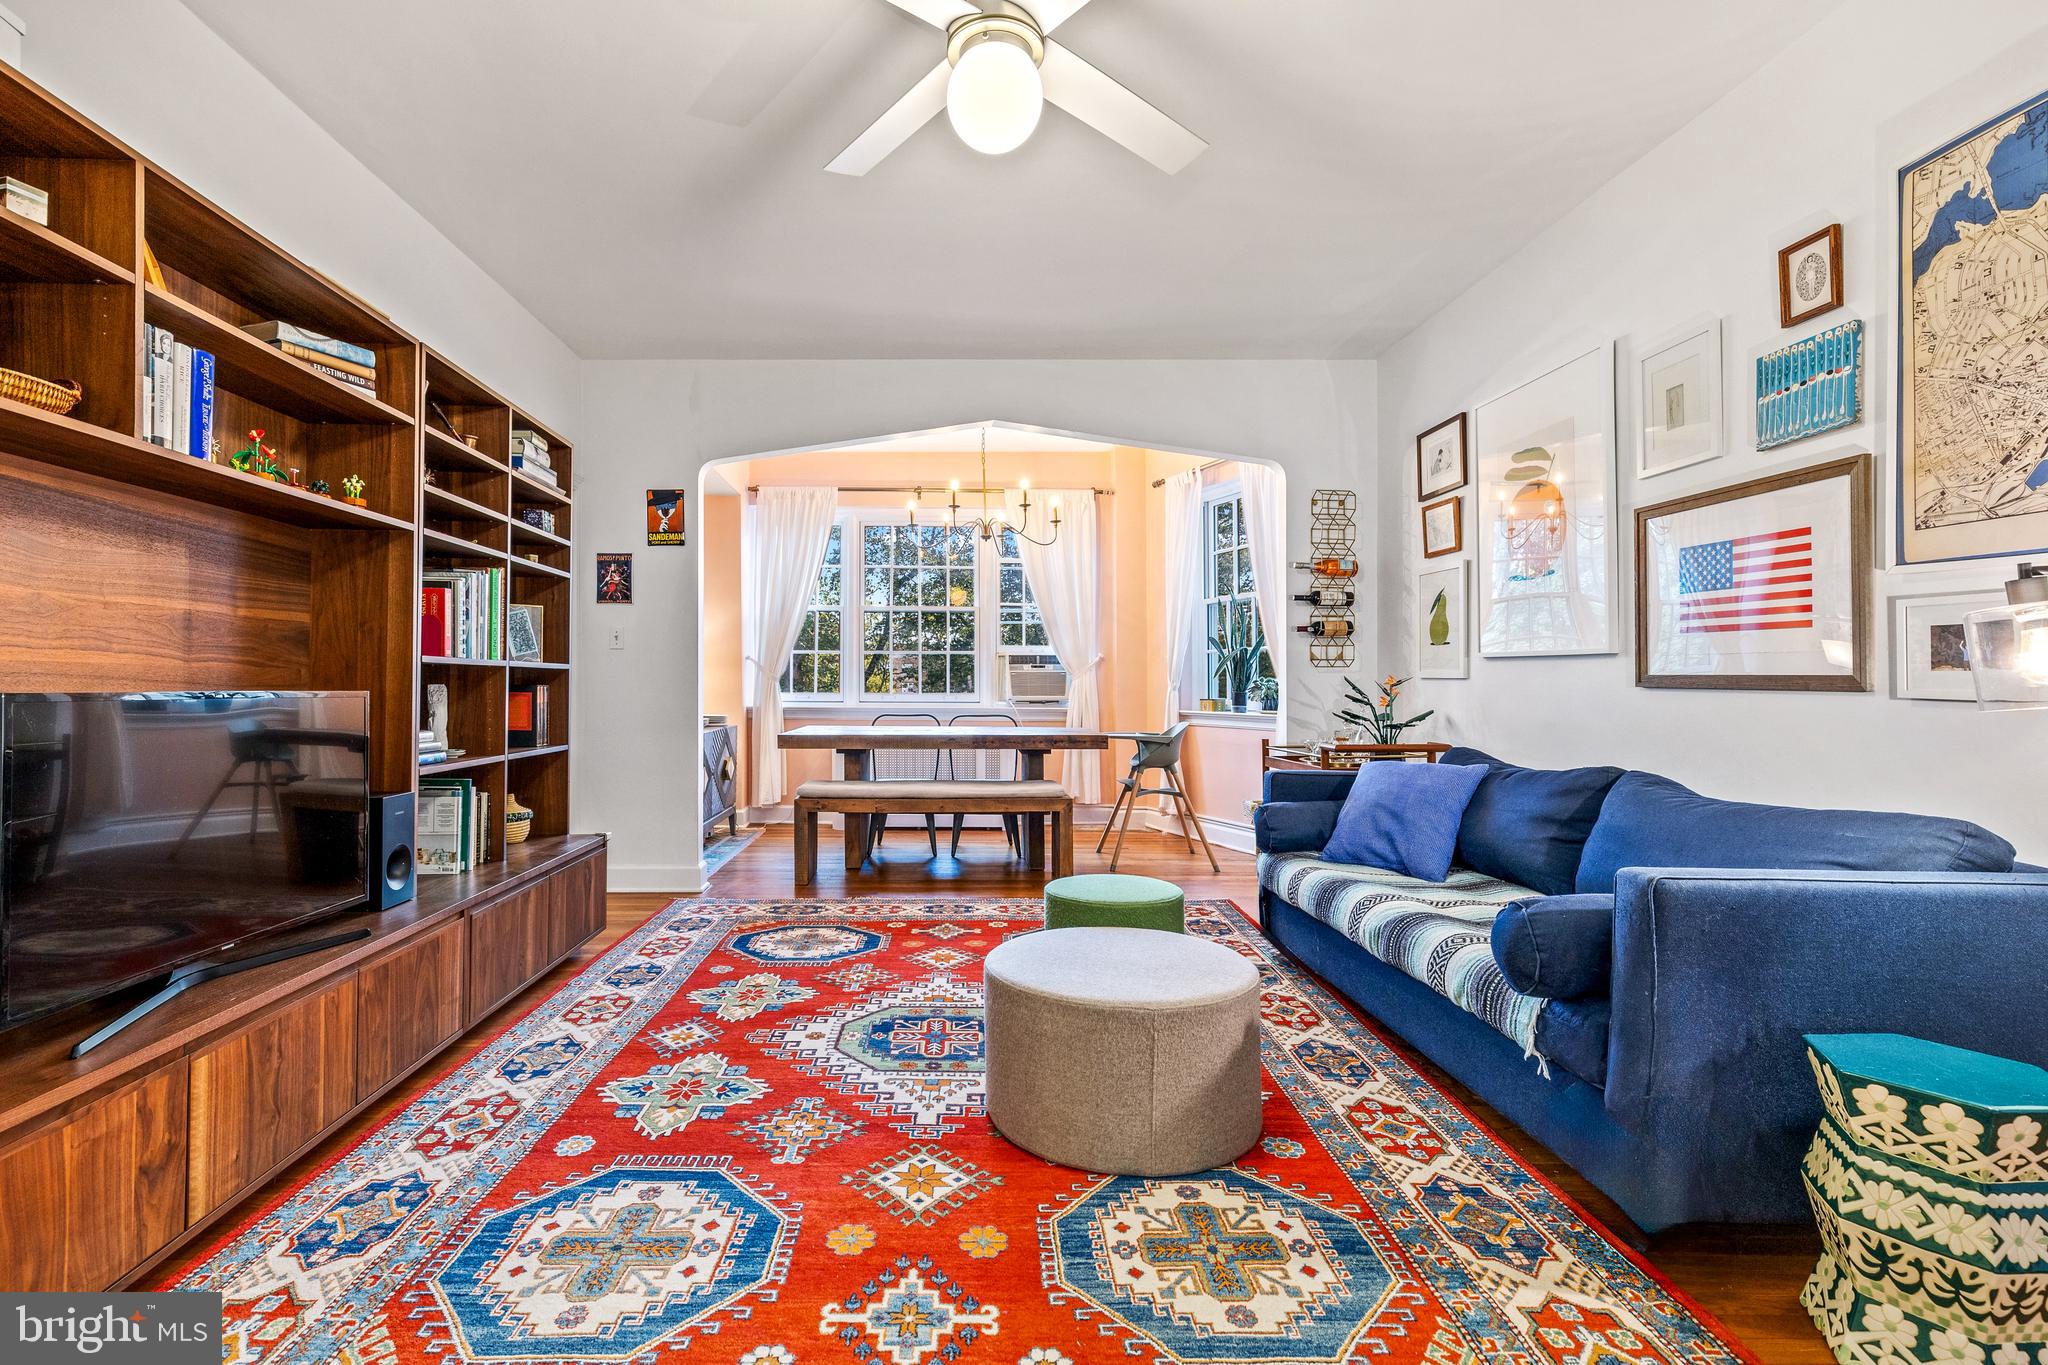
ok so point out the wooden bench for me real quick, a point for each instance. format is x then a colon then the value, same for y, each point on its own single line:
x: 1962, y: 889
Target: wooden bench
x: 932, y: 798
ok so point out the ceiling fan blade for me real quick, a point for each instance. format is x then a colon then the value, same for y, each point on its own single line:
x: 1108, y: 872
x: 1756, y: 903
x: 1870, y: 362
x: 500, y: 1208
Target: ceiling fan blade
x: 894, y: 128
x: 1115, y: 112
x: 939, y: 13
x: 1050, y: 14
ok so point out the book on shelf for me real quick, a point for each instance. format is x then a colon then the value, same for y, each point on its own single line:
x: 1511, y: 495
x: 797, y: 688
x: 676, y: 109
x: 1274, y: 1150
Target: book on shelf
x: 332, y: 364
x: 275, y: 332
x: 527, y: 436
x: 181, y: 398
x: 460, y: 826
x: 162, y: 406
x: 354, y: 381
x: 201, y: 438
x: 178, y: 389
x: 526, y: 716
x: 463, y: 612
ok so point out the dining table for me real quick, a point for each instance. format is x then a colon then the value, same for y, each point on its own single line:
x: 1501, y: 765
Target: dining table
x: 854, y: 743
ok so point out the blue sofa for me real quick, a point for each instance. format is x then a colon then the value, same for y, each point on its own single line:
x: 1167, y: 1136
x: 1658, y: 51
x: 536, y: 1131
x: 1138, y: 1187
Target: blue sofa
x: 1625, y: 968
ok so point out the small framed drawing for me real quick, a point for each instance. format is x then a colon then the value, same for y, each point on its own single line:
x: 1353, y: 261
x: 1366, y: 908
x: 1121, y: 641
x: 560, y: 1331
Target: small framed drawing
x: 1442, y: 634
x: 1929, y: 659
x: 1440, y: 459
x: 1548, y: 568
x: 523, y: 633
x: 1443, y: 527
x: 1679, y: 400
x: 1810, y: 276
x: 1763, y: 584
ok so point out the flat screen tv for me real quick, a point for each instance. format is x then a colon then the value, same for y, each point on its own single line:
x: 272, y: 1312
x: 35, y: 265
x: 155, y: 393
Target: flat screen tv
x: 146, y: 831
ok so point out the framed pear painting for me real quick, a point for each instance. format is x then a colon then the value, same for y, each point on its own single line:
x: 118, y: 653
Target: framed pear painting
x: 1443, y: 623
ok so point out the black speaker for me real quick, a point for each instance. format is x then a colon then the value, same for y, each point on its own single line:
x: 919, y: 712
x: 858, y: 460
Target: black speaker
x: 390, y: 850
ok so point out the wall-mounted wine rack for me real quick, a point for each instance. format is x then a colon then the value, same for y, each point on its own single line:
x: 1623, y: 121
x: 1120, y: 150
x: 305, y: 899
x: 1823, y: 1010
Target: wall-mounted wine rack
x: 1332, y: 536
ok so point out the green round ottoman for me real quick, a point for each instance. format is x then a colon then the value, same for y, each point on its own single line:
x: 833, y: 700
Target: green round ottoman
x: 1113, y: 901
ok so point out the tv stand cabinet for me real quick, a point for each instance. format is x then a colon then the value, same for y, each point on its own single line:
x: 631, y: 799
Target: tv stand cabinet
x: 111, y: 1162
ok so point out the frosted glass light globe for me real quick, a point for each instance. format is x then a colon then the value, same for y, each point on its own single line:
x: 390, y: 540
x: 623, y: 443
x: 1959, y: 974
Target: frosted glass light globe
x: 994, y: 97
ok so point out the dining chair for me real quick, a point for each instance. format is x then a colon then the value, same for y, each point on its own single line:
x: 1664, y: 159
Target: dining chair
x: 1012, y: 831
x: 1157, y: 753
x: 903, y: 765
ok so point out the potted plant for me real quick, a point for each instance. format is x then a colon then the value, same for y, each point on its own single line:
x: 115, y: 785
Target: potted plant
x: 1377, y: 721
x: 1235, y: 668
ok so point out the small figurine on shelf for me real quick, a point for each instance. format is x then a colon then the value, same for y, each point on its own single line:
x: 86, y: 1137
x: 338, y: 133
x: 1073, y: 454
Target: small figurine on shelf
x: 292, y: 478
x: 266, y: 464
x: 428, y: 478
x: 319, y: 486
x: 352, y: 491
x: 251, y: 458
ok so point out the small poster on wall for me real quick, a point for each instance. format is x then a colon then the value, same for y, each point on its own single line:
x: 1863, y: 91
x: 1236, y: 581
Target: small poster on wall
x: 614, y: 579
x: 664, y: 516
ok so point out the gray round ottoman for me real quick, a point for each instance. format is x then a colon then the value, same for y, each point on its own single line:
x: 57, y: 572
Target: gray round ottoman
x: 1124, y: 1051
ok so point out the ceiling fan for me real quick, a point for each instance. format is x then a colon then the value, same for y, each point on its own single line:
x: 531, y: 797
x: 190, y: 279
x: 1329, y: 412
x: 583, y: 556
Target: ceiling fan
x: 1000, y: 68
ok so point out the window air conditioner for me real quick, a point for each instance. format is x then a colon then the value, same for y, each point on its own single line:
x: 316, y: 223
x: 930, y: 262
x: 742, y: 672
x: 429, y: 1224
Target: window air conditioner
x: 1033, y: 680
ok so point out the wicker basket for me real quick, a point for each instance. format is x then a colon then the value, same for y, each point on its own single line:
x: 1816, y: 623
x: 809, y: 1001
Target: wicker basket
x: 40, y: 393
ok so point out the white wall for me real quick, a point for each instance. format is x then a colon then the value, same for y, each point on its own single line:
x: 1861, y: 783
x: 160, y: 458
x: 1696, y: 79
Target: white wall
x: 157, y: 78
x: 657, y: 423
x: 1815, y: 137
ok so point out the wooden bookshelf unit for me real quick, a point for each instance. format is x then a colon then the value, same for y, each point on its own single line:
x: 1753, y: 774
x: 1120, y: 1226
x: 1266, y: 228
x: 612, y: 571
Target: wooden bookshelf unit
x: 129, y: 567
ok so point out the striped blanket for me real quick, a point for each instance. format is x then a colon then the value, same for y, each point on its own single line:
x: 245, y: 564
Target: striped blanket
x: 1440, y: 933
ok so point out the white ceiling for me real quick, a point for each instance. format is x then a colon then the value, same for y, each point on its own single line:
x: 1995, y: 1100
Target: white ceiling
x: 646, y: 175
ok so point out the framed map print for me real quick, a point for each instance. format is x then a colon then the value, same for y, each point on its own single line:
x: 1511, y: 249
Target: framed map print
x: 1930, y: 657
x: 1973, y: 376
x: 1545, y: 516
x: 1440, y: 459
x: 1679, y: 400
x: 1763, y: 584
x: 1442, y: 631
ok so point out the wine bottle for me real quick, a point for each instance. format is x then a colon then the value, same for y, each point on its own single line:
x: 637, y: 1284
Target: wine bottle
x: 1335, y: 598
x: 1331, y: 568
x: 1335, y: 628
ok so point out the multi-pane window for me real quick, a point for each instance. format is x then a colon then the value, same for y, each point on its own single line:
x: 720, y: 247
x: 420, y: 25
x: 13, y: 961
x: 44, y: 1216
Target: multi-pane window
x: 918, y: 605
x: 1230, y: 616
x: 814, y: 669
x: 1019, y: 625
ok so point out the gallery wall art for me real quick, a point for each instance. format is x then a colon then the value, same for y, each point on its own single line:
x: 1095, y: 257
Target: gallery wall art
x: 1973, y: 377
x: 665, y: 516
x: 1443, y: 623
x: 1440, y: 459
x: 1678, y: 400
x: 614, y: 579
x: 1761, y: 584
x: 1930, y: 658
x: 1810, y: 277
x: 1545, y: 517
x: 1814, y: 385
x: 1443, y: 527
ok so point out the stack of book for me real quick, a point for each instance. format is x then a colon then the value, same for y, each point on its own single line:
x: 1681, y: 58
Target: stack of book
x: 454, y: 826
x: 530, y: 457
x: 434, y: 749
x: 462, y: 614
x: 353, y: 365
x: 177, y: 395
x: 526, y: 716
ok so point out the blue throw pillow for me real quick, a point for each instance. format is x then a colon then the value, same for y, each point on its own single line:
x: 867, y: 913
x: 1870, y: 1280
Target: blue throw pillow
x: 1651, y: 821
x: 1403, y: 817
x: 1529, y: 825
x: 1557, y: 947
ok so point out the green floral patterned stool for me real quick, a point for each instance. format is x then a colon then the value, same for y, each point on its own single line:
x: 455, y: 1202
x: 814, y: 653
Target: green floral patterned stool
x: 1929, y: 1179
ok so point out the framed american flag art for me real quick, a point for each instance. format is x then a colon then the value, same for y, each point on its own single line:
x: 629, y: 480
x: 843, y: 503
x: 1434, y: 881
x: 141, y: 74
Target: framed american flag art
x: 1763, y: 584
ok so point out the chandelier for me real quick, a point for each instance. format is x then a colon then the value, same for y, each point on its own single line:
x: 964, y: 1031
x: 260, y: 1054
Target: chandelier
x: 993, y: 520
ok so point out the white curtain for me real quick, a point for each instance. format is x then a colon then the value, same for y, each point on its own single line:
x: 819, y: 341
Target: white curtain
x: 787, y: 533
x: 1265, y: 516
x: 1064, y: 577
x: 1183, y: 535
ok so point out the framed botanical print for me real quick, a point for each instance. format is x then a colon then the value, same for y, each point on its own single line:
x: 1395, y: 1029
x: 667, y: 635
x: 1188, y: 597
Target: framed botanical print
x: 1440, y: 465
x: 1678, y: 400
x: 1443, y: 625
x: 1930, y: 658
x: 1810, y: 276
x: 1763, y: 584
x: 1972, y: 480
x: 1545, y: 523
x: 1443, y: 528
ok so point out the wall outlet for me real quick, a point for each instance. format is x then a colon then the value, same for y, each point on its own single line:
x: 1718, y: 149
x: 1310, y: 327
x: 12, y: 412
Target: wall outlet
x: 615, y: 638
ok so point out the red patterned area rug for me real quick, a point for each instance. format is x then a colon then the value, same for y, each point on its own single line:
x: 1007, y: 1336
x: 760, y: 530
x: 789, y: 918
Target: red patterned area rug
x: 753, y: 1134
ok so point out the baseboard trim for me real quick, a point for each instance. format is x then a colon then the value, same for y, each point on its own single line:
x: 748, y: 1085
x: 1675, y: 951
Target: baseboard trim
x: 1234, y: 835
x: 682, y: 879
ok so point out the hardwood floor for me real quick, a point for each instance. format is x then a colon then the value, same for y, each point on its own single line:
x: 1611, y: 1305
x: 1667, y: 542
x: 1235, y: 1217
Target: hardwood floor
x: 1749, y: 1278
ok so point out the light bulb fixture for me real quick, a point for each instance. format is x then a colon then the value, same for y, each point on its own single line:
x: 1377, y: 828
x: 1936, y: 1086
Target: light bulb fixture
x: 994, y: 518
x: 2007, y: 647
x: 995, y: 94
